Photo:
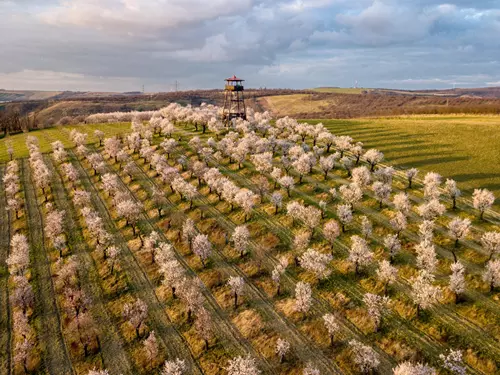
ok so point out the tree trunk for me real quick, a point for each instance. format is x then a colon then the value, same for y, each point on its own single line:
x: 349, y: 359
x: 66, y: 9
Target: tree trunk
x: 278, y: 290
x: 235, y: 300
x: 454, y: 203
x: 276, y: 209
x: 173, y: 293
x: 454, y: 255
x: 206, y: 345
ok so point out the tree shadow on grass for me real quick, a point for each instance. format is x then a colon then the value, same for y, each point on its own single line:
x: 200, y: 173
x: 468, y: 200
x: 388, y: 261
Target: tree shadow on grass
x: 394, y: 137
x: 433, y: 161
x: 405, y: 142
x: 410, y: 148
x: 475, y: 176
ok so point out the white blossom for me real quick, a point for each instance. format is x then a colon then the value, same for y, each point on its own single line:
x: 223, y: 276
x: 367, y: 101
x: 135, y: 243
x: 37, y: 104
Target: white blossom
x: 359, y: 253
x: 332, y: 326
x: 386, y: 273
x: 376, y: 306
x: 364, y: 356
x: 491, y: 274
x: 176, y: 367
x: 316, y: 262
x: 241, y: 238
x: 303, y: 297
x: 453, y: 362
x: 236, y: 283
x: 491, y: 243
x: 426, y: 256
x: 282, y: 347
x: 408, y: 368
x: 242, y: 366
x: 202, y: 247
x: 482, y: 199
x: 423, y: 293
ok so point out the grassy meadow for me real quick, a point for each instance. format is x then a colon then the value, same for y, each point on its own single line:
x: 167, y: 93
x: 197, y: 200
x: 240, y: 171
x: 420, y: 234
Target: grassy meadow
x: 61, y: 133
x: 465, y: 148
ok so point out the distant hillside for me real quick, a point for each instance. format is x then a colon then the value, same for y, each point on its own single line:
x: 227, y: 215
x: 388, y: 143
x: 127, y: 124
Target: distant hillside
x: 375, y: 103
x: 481, y: 92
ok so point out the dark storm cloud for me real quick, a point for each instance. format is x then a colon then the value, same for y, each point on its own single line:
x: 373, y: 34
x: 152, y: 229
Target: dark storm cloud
x: 122, y: 44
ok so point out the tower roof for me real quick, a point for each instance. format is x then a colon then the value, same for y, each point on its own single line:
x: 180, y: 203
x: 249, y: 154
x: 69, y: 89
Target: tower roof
x: 233, y: 79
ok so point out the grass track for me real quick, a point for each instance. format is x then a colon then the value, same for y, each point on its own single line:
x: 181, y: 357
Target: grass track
x: 5, y: 311
x: 139, y: 282
x: 223, y: 322
x: 114, y: 357
x: 55, y: 354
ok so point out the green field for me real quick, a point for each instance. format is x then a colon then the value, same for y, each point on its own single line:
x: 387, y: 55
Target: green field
x: 340, y: 90
x: 47, y: 136
x: 465, y: 148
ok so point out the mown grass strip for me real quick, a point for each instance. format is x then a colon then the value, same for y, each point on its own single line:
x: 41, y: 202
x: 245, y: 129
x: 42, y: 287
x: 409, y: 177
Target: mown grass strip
x: 5, y: 311
x: 55, y: 354
x: 114, y: 357
x: 139, y: 283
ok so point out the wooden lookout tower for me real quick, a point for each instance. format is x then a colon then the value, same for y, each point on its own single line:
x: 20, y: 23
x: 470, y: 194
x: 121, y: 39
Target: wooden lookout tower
x: 234, y: 102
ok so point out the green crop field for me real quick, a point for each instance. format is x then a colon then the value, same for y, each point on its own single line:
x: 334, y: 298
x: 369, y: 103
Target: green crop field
x: 465, y: 148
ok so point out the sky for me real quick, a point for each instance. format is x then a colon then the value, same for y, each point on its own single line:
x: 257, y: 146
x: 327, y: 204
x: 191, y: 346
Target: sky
x: 121, y: 45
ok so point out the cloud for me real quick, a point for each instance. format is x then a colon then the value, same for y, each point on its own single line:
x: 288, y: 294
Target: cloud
x: 139, y: 17
x: 53, y: 81
x: 117, y: 45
